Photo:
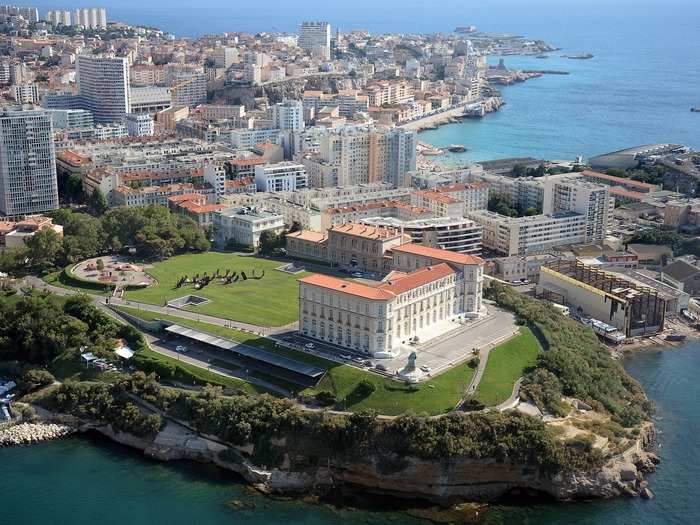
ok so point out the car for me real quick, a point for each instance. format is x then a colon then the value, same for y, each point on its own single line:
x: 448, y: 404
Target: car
x: 356, y: 274
x: 309, y: 345
x: 381, y: 367
x: 345, y: 356
x: 425, y: 369
x: 369, y: 363
x: 182, y: 349
x: 358, y: 360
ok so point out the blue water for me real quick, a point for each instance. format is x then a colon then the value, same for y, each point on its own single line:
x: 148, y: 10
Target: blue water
x: 638, y: 89
x: 84, y: 481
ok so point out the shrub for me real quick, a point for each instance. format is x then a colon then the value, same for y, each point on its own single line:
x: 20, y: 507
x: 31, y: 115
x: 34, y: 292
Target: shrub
x: 364, y: 389
x: 474, y: 362
x: 37, y: 376
x: 326, y: 398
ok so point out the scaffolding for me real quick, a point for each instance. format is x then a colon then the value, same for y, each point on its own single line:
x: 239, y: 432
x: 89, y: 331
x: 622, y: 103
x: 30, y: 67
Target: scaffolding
x: 645, y: 306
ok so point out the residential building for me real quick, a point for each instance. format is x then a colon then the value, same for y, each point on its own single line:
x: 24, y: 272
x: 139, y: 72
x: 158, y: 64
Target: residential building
x: 28, y: 183
x: 252, y: 73
x: 71, y: 118
x: 288, y: 115
x: 588, y: 199
x: 315, y: 37
x: 103, y: 84
x: 456, y: 234
x: 243, y: 226
x: 91, y: 17
x: 282, y: 176
x: 25, y: 93
x: 59, y: 18
x: 139, y: 125
x: 188, y: 85
x: 529, y: 235
x: 225, y: 56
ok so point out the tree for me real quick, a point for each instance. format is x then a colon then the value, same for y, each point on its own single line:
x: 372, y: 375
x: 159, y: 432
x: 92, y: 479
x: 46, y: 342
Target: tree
x: 13, y: 259
x: 502, y: 204
x: 269, y: 242
x: 363, y: 389
x: 97, y: 203
x: 43, y: 249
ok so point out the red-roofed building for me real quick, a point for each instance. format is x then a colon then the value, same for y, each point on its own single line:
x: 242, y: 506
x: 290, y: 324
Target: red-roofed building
x: 404, y: 308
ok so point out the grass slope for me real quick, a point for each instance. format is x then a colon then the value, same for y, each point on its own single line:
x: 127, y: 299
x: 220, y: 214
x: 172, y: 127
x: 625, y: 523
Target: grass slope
x: 432, y: 397
x: 506, y: 364
x: 270, y: 301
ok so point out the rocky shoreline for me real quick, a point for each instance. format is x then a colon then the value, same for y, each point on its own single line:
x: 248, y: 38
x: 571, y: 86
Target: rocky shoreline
x: 30, y: 433
x: 445, y: 483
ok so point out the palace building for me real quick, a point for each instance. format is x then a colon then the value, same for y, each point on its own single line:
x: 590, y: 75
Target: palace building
x: 427, y: 294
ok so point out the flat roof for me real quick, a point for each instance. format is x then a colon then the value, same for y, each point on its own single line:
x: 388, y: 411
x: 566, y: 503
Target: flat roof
x: 437, y: 253
x: 248, y: 351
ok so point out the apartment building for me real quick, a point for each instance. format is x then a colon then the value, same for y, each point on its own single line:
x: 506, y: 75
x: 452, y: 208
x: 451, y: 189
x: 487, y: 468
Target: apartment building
x: 282, y: 176
x: 315, y: 37
x: 103, y: 84
x: 389, y: 92
x: 529, y: 235
x: 456, y: 234
x: 28, y: 183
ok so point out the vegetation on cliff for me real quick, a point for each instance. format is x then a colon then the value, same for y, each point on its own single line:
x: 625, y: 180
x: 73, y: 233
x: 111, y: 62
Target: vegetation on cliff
x: 313, y: 438
x: 574, y: 363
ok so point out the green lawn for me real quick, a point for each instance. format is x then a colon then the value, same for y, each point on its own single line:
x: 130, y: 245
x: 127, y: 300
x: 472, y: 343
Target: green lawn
x: 59, y: 279
x: 505, y: 366
x: 270, y: 301
x: 435, y: 396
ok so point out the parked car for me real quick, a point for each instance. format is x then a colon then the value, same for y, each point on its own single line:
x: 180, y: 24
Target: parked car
x: 381, y: 367
x: 425, y: 369
x: 309, y: 345
x: 345, y: 356
x: 356, y: 274
x: 182, y: 349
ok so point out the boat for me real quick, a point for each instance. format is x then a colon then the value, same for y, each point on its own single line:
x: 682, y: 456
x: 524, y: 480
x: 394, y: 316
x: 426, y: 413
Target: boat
x: 456, y: 148
x: 542, y: 56
x: 675, y: 337
x: 695, y: 110
x: 580, y: 56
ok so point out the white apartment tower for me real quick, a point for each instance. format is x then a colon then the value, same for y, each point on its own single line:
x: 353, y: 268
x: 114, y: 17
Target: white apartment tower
x: 91, y: 17
x: 288, y: 115
x: 103, y: 84
x: 59, y: 18
x: 27, y: 161
x: 315, y: 37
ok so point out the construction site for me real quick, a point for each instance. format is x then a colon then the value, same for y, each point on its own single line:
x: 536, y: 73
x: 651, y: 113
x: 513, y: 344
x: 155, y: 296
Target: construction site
x: 631, y: 307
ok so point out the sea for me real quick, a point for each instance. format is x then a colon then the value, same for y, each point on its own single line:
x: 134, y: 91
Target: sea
x: 638, y: 89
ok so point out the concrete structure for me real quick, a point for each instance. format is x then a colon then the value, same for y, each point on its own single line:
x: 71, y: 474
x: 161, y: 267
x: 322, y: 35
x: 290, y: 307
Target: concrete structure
x: 28, y: 181
x: 188, y: 85
x: 103, y: 83
x: 519, y: 268
x: 225, y: 56
x: 25, y: 93
x: 139, y: 125
x: 283, y: 176
x: 529, y: 235
x: 361, y: 155
x: 150, y: 99
x: 448, y: 233
x: 91, y: 17
x: 243, y: 226
x: 315, y: 37
x: 71, y: 118
x: 288, y: 115
x: 59, y: 18
x: 635, y: 309
x: 631, y: 157
x: 380, y: 320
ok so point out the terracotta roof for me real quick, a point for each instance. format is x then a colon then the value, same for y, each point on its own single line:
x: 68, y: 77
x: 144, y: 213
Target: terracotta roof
x: 248, y: 162
x: 186, y: 197
x: 622, y: 192
x: 436, y: 196
x: 308, y: 235
x: 388, y: 289
x: 376, y: 206
x: 73, y: 157
x: 363, y: 230
x: 348, y: 287
x: 439, y: 254
x: 402, y: 284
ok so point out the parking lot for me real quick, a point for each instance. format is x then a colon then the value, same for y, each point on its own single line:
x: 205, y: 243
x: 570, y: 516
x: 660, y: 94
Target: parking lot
x: 434, y: 356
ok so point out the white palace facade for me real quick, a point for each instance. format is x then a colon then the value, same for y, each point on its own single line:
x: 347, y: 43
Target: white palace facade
x: 427, y: 293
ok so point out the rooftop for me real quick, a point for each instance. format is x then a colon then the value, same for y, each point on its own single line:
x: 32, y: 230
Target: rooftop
x: 366, y: 231
x: 437, y: 253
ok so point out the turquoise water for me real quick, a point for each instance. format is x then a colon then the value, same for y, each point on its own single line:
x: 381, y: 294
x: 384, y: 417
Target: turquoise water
x: 84, y: 481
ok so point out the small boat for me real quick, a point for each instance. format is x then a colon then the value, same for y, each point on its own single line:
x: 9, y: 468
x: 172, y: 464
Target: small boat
x: 580, y: 56
x: 542, y: 56
x: 695, y: 110
x: 675, y: 337
x: 456, y: 148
